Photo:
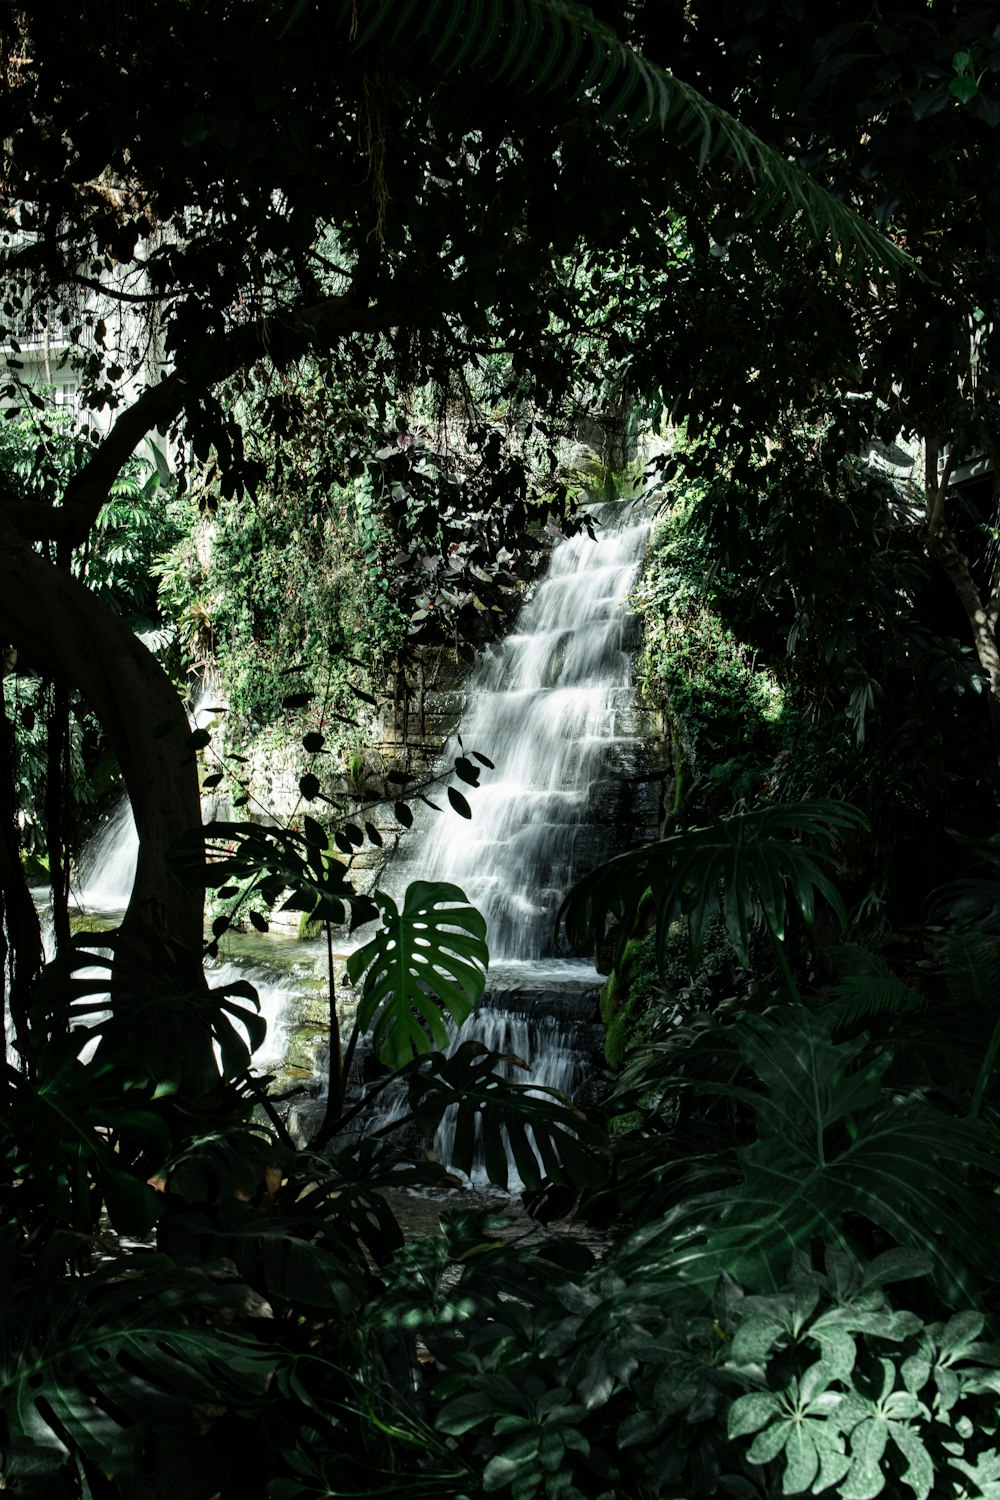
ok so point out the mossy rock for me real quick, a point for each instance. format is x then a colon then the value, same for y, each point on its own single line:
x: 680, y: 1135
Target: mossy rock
x: 631, y: 999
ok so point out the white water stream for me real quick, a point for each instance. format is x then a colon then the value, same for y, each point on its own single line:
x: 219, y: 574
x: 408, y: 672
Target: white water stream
x: 545, y: 706
x: 103, y: 885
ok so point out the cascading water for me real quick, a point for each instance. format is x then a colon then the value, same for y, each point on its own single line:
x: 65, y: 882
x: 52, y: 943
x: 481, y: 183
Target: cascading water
x: 107, y: 867
x: 548, y: 706
x: 544, y: 705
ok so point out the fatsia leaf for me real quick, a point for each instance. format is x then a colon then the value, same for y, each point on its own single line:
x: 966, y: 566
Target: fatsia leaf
x: 428, y: 960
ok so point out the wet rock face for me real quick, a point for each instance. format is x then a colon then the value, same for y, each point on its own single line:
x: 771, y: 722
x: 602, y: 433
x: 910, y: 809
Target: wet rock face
x: 593, y: 1093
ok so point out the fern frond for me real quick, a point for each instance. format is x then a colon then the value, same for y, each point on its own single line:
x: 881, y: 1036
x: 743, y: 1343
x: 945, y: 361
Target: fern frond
x: 871, y: 989
x: 560, y: 44
x: 973, y: 968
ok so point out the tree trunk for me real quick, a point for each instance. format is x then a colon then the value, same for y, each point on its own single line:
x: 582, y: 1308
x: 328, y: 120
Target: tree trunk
x: 62, y: 629
x: 941, y: 545
x: 22, y: 957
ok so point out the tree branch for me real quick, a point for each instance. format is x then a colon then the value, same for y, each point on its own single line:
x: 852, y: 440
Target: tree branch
x: 88, y: 490
x: 117, y: 294
x: 282, y: 339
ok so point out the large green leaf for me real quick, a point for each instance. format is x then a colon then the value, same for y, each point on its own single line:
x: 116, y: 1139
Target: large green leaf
x: 61, y: 1139
x: 832, y: 1143
x: 120, y: 1370
x: 546, y: 1135
x: 428, y: 960
x: 134, y: 993
x: 752, y: 864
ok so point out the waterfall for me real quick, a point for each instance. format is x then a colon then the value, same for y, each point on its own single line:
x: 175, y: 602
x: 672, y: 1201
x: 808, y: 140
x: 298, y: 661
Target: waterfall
x: 107, y: 866
x: 106, y: 875
x: 550, y: 706
x: 545, y: 706
x: 106, y: 872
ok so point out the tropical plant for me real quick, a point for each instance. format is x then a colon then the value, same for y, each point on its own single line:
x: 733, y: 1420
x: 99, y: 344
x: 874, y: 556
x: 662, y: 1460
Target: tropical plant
x: 748, y: 866
x: 553, y: 1377
x: 112, y: 1382
x: 823, y: 1145
x: 427, y: 960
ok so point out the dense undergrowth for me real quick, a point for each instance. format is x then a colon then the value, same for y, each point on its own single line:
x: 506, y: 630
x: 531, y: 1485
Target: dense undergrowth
x: 803, y: 1185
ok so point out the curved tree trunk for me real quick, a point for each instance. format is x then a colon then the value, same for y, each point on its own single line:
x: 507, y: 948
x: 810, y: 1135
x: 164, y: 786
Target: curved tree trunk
x: 22, y: 961
x: 981, y: 615
x: 59, y: 626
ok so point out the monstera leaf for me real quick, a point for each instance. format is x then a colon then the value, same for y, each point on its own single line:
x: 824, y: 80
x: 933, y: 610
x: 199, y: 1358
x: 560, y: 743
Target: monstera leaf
x: 135, y: 993
x: 740, y: 867
x: 57, y: 1140
x: 428, y: 960
x: 546, y: 1135
x: 117, y: 1373
x: 834, y: 1145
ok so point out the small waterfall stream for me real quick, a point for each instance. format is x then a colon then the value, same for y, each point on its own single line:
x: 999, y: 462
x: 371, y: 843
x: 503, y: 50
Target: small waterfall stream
x: 103, y: 884
x: 544, y: 705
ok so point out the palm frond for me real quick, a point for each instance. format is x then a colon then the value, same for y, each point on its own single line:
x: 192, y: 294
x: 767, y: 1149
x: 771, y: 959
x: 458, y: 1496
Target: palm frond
x: 872, y: 989
x: 972, y: 902
x: 561, y: 45
x: 973, y: 966
x: 744, y: 865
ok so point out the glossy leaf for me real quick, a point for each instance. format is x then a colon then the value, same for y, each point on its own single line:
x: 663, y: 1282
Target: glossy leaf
x: 739, y: 867
x: 429, y: 960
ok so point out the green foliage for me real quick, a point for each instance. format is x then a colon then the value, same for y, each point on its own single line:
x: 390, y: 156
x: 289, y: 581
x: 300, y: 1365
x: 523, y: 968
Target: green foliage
x: 867, y: 987
x: 565, y: 46
x: 725, y: 712
x: 59, y: 1159
x: 429, y: 958
x: 807, y: 563
x: 630, y: 999
x: 233, y: 857
x: 548, y: 1139
x: 740, y: 866
x: 134, y: 996
x: 558, y: 1378
x: 286, y: 577
x: 110, y: 1378
x: 825, y: 1141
